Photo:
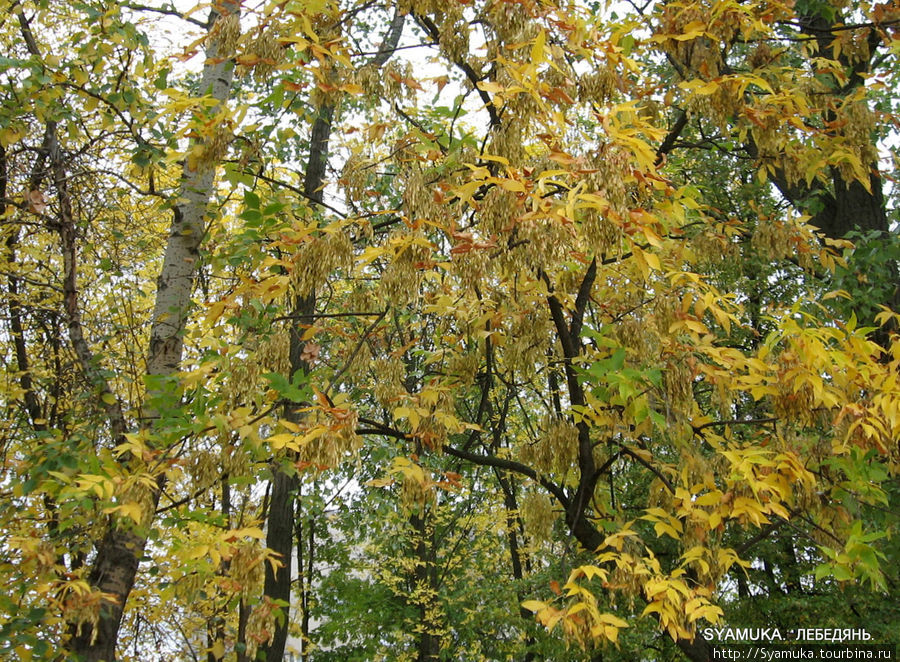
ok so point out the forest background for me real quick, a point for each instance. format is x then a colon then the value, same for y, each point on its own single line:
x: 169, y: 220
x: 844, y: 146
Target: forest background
x: 482, y: 330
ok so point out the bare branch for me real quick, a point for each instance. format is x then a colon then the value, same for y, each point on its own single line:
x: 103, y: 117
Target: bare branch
x: 428, y: 25
x: 166, y: 11
x: 355, y: 351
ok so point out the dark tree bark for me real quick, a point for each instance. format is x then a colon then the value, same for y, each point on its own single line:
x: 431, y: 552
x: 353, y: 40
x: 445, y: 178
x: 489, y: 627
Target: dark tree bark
x: 285, y: 483
x: 844, y: 206
x: 425, y: 580
x: 279, y: 538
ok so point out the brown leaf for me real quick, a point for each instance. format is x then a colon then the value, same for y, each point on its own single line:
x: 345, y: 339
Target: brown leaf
x: 310, y: 352
x: 35, y: 202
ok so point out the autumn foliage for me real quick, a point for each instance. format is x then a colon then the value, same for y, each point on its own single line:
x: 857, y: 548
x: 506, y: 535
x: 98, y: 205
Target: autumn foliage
x: 445, y: 330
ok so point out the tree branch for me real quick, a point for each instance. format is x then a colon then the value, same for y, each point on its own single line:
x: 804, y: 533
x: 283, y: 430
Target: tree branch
x: 668, y: 144
x: 66, y: 229
x: 167, y: 12
x: 349, y: 361
x: 581, y: 300
x: 428, y: 25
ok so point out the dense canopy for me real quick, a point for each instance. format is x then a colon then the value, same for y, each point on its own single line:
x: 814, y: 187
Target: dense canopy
x: 459, y: 330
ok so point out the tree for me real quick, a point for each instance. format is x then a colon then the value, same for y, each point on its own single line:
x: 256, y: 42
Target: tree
x: 94, y: 635
x: 599, y: 275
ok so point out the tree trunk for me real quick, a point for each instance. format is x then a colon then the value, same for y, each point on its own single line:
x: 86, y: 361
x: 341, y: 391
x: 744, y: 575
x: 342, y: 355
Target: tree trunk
x: 429, y: 644
x: 849, y: 205
x: 513, y: 526
x: 279, y: 538
x: 216, y: 624
x: 280, y: 520
x: 115, y: 567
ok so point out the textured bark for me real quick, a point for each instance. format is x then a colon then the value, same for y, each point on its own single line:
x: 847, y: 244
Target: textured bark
x: 696, y: 650
x: 280, y: 516
x: 112, y: 572
x: 285, y: 485
x: 115, y: 566
x: 279, y: 538
x: 846, y: 206
x: 176, y: 279
x: 428, y: 647
x: 243, y: 615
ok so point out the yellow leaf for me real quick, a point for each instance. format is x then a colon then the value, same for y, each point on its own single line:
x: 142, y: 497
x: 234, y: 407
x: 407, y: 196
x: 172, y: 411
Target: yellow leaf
x: 131, y: 510
x: 401, y: 412
x: 11, y: 135
x: 537, y: 49
x: 591, y: 571
x: 247, y: 532
x: 512, y: 185
x: 709, y: 499
x: 499, y: 159
x: 844, y: 294
x: 279, y: 441
x: 197, y: 552
x: 663, y: 528
x: 613, y: 620
x: 553, y: 619
x: 652, y: 238
x: 489, y: 86
x: 574, y: 609
x: 534, y: 605
x: 651, y: 608
x: 690, y: 31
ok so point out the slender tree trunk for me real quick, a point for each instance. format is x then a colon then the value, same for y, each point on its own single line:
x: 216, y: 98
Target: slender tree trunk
x: 579, y: 499
x: 216, y: 625
x: 241, y: 647
x: 279, y: 538
x: 513, y: 525
x: 280, y: 518
x: 115, y: 566
x: 429, y: 644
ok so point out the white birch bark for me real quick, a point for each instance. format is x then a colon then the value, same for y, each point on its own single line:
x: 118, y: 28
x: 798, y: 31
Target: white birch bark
x: 116, y: 564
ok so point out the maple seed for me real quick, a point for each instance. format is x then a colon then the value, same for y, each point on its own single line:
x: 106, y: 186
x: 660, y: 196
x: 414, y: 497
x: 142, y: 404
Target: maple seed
x: 35, y: 202
x: 310, y: 352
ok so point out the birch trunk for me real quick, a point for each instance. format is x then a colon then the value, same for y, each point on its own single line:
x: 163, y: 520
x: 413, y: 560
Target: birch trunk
x: 115, y: 566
